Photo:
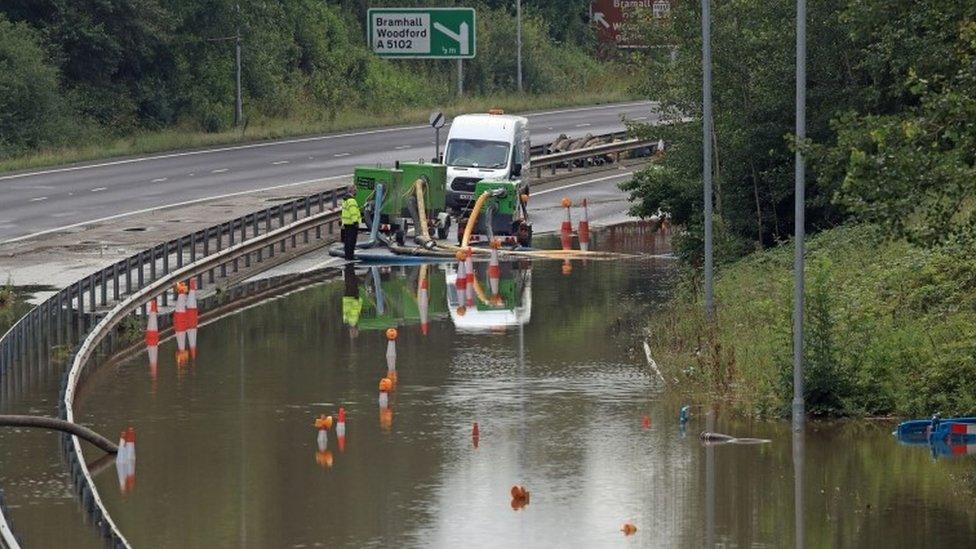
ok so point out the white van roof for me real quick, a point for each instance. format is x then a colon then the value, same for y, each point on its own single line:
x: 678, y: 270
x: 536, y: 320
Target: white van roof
x: 491, y: 127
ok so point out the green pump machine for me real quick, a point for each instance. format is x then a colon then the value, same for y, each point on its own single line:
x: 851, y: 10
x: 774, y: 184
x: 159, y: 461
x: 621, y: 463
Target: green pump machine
x: 500, y: 211
x: 393, y: 199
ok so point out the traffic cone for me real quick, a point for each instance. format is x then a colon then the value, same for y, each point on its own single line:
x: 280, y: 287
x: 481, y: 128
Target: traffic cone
x: 341, y: 429
x: 494, y: 271
x: 566, y: 231
x: 180, y: 325
x: 152, y: 338
x: 584, y: 229
x: 391, y: 355
x: 386, y: 414
x: 423, y: 300
x: 152, y: 324
x: 130, y: 444
x: 192, y: 318
x: 469, y: 266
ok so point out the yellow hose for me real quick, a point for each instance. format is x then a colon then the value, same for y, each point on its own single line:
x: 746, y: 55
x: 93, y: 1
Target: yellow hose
x: 422, y: 208
x: 469, y: 228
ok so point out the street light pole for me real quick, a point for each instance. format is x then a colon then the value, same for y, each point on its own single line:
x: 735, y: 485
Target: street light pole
x: 798, y: 228
x: 518, y: 40
x: 707, y: 152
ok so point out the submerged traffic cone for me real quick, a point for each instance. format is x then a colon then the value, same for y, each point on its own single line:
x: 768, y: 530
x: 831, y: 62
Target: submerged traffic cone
x: 130, y: 444
x: 341, y: 429
x: 469, y: 266
x: 152, y: 339
x: 391, y: 335
x: 584, y: 229
x: 179, y: 325
x: 566, y: 231
x: 494, y: 271
x: 461, y: 281
x: 423, y: 300
x: 191, y: 318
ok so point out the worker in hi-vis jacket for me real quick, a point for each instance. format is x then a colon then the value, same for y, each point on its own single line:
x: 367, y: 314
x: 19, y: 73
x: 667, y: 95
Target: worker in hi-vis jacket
x: 351, y: 217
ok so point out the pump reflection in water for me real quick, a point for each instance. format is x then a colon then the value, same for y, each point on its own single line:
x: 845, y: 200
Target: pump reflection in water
x: 511, y: 305
x: 399, y: 296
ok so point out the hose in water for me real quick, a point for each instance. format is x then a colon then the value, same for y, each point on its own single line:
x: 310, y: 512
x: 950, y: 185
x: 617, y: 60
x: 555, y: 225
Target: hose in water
x: 55, y: 424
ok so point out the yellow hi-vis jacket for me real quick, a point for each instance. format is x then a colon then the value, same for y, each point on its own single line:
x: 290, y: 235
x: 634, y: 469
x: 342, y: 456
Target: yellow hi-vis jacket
x: 350, y: 212
x: 351, y: 309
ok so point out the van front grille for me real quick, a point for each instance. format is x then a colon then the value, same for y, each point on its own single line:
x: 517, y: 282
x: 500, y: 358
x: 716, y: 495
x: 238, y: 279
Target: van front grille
x: 464, y: 184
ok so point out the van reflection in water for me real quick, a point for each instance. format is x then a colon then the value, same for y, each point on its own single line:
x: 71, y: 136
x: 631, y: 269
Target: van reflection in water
x: 487, y: 303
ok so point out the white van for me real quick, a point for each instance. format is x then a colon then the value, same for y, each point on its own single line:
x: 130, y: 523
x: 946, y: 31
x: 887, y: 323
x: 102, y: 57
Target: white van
x: 491, y: 146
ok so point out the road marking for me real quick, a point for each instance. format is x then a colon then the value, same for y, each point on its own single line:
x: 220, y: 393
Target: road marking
x: 279, y: 162
x: 158, y: 180
x: 98, y: 189
x: 639, y: 118
x: 63, y: 214
x: 172, y: 205
x: 38, y: 199
x: 581, y: 183
x: 219, y: 170
x: 401, y: 147
x: 340, y: 155
x: 584, y: 125
x: 301, y: 140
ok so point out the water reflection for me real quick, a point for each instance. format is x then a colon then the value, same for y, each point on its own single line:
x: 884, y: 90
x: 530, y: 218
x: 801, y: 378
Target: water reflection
x: 474, y: 310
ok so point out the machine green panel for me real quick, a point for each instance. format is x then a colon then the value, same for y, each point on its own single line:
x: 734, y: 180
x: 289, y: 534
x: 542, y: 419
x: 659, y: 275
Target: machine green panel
x: 436, y: 175
x: 507, y: 203
x: 367, y: 178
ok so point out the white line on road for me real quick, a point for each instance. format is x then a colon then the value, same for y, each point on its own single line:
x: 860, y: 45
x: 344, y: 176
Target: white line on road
x: 639, y: 118
x: 158, y: 180
x: 584, y: 125
x: 279, y: 162
x: 581, y: 183
x: 340, y: 155
x: 98, y: 189
x: 219, y: 170
x: 299, y: 140
x: 173, y: 205
x: 38, y: 199
x: 401, y: 147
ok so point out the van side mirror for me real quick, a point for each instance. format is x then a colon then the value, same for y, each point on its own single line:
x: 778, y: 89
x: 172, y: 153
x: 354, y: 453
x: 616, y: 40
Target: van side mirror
x: 517, y: 170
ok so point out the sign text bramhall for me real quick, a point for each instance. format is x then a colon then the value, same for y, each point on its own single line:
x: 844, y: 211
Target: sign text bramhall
x: 433, y: 33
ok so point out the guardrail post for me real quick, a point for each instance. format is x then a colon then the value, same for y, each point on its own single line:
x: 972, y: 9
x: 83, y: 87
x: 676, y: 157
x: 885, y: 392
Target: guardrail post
x: 267, y: 227
x: 193, y: 247
x: 91, y: 292
x: 179, y: 253
x: 335, y: 199
x: 165, y: 260
x: 81, y: 309
x: 115, y: 281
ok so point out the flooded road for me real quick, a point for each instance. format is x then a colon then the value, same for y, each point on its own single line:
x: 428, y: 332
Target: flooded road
x: 553, y: 373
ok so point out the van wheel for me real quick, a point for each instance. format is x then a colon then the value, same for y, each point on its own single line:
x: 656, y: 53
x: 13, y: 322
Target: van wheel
x: 442, y: 232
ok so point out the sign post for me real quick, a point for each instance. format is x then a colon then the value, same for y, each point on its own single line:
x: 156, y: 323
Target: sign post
x: 437, y: 122
x: 426, y: 33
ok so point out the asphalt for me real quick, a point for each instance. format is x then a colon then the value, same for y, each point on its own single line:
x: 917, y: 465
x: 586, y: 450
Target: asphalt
x: 48, y: 201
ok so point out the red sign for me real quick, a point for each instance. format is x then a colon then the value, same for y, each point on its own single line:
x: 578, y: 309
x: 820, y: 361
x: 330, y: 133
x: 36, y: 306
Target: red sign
x: 608, y: 17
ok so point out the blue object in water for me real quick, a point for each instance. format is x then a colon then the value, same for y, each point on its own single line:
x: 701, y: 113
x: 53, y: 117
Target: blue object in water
x: 684, y: 414
x: 925, y: 426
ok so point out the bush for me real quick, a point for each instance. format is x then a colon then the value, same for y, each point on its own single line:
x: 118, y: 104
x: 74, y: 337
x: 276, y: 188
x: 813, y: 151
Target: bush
x: 31, y: 110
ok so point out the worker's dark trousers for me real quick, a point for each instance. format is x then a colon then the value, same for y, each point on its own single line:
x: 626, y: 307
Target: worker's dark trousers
x: 349, y: 234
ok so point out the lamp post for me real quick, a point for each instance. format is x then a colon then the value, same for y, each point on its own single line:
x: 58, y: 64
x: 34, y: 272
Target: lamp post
x: 798, y: 227
x: 707, y: 152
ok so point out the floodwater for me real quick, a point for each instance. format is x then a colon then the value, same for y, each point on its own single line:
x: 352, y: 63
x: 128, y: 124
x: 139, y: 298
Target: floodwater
x: 553, y: 373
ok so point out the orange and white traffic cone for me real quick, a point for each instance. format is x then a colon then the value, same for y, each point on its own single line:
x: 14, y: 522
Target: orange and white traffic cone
x: 566, y: 231
x: 584, y: 229
x: 341, y: 429
x: 192, y: 318
x: 391, y: 355
x: 494, y: 270
x: 423, y: 300
x: 152, y: 338
x: 180, y: 325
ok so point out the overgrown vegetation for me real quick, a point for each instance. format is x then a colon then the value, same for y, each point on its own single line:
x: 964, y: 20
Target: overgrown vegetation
x: 83, y: 78
x: 891, y: 328
x: 891, y: 99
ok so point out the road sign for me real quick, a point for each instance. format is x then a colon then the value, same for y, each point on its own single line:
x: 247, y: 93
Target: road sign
x: 437, y: 119
x: 430, y: 33
x: 608, y: 17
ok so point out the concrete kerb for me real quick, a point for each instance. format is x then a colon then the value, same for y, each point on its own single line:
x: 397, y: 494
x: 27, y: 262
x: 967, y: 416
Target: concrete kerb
x: 133, y: 303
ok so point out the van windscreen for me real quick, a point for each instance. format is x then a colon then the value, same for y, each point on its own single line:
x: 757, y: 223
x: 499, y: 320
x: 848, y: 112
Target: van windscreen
x: 476, y: 153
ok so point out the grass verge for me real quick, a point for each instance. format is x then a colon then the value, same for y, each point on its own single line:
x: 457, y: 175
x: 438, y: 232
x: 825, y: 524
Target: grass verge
x: 890, y: 329
x: 307, y: 122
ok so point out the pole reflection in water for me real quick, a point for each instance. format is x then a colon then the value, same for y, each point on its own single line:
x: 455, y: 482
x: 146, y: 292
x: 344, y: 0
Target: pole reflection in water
x: 799, y: 458
x: 710, y: 479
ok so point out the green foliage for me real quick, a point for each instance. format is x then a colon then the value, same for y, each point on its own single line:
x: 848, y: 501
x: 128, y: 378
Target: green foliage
x: 889, y: 329
x: 114, y: 68
x: 31, y: 109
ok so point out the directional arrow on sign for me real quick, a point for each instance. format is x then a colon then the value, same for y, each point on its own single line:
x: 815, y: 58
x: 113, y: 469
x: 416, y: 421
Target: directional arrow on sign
x: 599, y: 18
x: 461, y: 36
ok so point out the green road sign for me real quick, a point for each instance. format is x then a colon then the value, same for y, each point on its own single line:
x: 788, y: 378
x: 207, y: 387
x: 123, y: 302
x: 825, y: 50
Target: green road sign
x: 431, y: 33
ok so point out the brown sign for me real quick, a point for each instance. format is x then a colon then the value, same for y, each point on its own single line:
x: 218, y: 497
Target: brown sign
x: 608, y: 17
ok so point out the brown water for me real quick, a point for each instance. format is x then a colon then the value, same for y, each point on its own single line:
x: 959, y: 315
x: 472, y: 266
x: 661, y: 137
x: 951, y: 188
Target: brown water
x: 556, y: 379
